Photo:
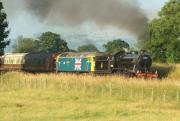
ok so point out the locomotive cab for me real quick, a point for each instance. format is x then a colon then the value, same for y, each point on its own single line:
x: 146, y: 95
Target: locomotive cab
x: 103, y: 64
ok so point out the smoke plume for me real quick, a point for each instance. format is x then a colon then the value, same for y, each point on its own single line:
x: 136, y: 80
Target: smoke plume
x: 124, y: 14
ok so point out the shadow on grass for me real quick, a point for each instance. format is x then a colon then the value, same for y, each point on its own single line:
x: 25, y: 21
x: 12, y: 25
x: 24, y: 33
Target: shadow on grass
x: 163, y: 69
x: 2, y: 73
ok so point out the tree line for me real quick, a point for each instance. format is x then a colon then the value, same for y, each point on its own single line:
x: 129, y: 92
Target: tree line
x: 52, y: 42
x: 164, y: 34
x: 163, y: 41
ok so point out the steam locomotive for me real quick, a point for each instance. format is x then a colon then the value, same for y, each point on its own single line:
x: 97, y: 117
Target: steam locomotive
x: 136, y: 64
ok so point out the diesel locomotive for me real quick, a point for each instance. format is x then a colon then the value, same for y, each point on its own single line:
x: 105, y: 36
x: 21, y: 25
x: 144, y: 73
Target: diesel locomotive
x: 84, y: 62
x: 136, y: 64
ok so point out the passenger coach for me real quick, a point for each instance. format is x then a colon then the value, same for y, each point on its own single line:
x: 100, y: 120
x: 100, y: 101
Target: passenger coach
x: 13, y: 62
x: 40, y: 62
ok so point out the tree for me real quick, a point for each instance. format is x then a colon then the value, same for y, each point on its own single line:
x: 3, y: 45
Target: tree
x: 3, y: 30
x: 164, y: 32
x: 88, y: 48
x: 116, y: 46
x: 52, y: 42
x: 25, y: 45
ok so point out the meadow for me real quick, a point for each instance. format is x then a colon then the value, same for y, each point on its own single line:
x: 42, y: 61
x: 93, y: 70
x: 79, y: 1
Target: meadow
x: 89, y: 97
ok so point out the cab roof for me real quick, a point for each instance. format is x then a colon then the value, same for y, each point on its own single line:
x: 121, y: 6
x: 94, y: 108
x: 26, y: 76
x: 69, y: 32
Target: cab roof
x: 82, y: 54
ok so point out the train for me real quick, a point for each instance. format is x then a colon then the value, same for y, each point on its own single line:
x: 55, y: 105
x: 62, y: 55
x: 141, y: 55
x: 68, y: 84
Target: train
x: 132, y: 63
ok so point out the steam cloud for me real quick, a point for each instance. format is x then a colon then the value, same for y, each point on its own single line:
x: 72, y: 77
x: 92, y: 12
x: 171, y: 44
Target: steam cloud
x: 124, y: 14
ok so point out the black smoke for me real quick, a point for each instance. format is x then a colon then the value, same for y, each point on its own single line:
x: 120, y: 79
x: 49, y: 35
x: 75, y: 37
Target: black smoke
x: 124, y: 14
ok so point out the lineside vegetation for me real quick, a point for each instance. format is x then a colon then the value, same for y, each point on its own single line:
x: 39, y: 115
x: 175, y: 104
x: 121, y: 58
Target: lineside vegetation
x: 87, y: 97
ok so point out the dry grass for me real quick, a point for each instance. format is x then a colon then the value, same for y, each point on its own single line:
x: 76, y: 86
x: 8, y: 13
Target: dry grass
x: 168, y: 71
x: 88, y: 97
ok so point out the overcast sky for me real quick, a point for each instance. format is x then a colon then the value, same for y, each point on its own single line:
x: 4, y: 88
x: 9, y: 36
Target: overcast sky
x: 22, y: 23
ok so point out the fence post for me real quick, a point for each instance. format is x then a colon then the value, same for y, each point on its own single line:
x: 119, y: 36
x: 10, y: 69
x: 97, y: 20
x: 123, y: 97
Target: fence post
x: 19, y: 84
x: 36, y: 83
x: 31, y: 83
x: 110, y: 89
x: 66, y: 85
x: 121, y: 92
x: 61, y: 84
x: 92, y: 88
x: 0, y: 79
x: 76, y: 86
x: 164, y: 97
x: 2, y: 83
x: 84, y: 86
x: 152, y: 95
x: 46, y: 83
x: 177, y: 96
x: 102, y: 91
x: 131, y: 92
x: 25, y: 83
x: 40, y: 83
x: 142, y: 93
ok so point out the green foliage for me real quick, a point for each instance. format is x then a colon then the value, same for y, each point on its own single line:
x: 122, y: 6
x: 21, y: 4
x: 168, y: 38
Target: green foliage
x: 3, y: 29
x: 164, y: 42
x: 52, y: 42
x: 47, y: 42
x: 116, y: 46
x: 88, y: 48
x: 25, y: 45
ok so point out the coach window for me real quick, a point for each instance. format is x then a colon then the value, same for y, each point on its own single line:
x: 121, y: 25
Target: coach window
x: 14, y: 61
x: 6, y: 61
x: 18, y: 61
x: 9, y: 61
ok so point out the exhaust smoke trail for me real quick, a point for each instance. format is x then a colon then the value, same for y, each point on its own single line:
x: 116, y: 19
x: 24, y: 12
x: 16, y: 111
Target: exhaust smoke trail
x: 124, y: 14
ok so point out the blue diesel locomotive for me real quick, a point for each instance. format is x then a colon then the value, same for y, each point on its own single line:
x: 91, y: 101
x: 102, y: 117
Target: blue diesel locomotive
x: 84, y: 62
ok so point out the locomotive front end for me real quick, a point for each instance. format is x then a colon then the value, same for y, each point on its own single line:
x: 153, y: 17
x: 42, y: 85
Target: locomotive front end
x: 144, y: 63
x: 143, y: 67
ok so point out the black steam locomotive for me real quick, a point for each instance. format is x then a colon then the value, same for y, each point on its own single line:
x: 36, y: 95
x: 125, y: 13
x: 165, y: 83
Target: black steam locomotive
x: 133, y: 63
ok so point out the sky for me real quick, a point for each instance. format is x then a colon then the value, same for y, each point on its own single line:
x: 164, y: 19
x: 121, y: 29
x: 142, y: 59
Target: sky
x: 22, y: 23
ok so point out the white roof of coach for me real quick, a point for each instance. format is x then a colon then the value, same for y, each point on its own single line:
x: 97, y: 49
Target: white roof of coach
x: 14, y: 55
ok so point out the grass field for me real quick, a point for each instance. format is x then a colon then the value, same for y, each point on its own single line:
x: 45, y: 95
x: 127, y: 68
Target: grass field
x: 86, y: 97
